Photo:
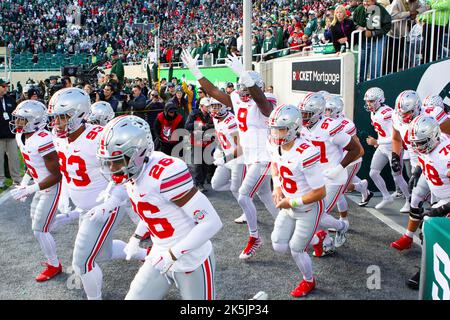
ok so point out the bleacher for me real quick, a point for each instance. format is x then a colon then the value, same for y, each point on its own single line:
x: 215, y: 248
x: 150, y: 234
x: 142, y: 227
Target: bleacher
x: 47, y: 61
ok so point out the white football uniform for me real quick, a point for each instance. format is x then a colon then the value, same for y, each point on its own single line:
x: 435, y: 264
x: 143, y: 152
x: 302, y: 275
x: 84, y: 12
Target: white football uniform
x: 81, y: 171
x: 435, y: 166
x: 45, y: 202
x: 230, y: 175
x: 329, y: 137
x: 299, y: 172
x: 165, y: 179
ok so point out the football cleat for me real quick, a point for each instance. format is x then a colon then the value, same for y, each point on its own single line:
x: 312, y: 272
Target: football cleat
x: 49, y: 272
x: 340, y: 238
x: 414, y: 282
x: 406, y: 208
x: 304, y: 288
x: 320, y: 249
x: 260, y: 296
x: 403, y: 243
x: 241, y: 220
x: 252, y: 245
x: 384, y: 203
x: 398, y: 194
x: 365, y: 201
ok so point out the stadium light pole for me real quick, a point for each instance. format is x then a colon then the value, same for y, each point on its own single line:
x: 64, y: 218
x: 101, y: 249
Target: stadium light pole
x: 247, y: 33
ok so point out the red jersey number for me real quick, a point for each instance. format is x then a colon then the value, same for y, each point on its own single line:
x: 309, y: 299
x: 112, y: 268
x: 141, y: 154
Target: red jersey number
x: 157, y: 169
x: 431, y: 173
x: 379, y: 129
x: 242, y: 119
x: 224, y: 143
x: 158, y: 227
x: 81, y: 172
x: 288, y: 184
x: 31, y: 170
x: 93, y: 133
x: 323, y: 153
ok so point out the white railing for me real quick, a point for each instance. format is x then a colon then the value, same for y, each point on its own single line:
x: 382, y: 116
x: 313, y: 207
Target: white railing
x: 409, y: 43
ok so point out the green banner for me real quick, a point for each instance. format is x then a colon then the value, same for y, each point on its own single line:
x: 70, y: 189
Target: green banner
x: 435, y: 272
x: 219, y: 76
x: 425, y: 79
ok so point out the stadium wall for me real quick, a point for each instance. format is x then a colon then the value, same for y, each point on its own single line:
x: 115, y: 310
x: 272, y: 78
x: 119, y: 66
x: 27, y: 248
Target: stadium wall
x: 426, y: 79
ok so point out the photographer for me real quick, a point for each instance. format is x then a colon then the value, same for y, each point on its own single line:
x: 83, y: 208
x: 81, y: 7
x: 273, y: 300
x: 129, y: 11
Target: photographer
x: 93, y: 95
x: 135, y: 102
x: 108, y: 96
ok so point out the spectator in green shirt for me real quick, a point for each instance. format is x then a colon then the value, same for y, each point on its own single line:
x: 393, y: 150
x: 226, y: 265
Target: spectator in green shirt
x: 269, y: 45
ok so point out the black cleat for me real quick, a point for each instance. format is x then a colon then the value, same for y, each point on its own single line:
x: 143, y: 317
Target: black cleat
x: 414, y: 281
x: 366, y: 200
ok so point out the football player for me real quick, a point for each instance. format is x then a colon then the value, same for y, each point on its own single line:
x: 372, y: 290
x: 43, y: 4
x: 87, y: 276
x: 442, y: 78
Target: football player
x: 299, y: 192
x: 381, y: 118
x: 76, y: 143
x: 329, y: 137
x: 36, y: 145
x: 334, y: 108
x: 407, y: 107
x: 100, y: 113
x: 230, y: 169
x: 180, y: 218
x: 252, y: 108
x: 434, y: 158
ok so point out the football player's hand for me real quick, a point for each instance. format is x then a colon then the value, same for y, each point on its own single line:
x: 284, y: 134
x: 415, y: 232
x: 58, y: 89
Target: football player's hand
x: 371, y: 141
x: 21, y: 193
x: 132, y: 247
x: 284, y: 204
x: 164, y: 262
x: 234, y: 64
x: 191, y: 63
x: 277, y: 195
x: 414, y: 179
x: 334, y: 173
x: 102, y: 212
x: 64, y: 205
x: 395, y: 163
x: 219, y: 161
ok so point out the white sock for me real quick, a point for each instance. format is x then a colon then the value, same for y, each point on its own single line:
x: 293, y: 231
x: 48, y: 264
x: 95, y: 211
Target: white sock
x: 236, y: 196
x: 92, y: 283
x: 401, y: 183
x: 48, y: 246
x: 409, y: 233
x: 63, y: 218
x: 342, y: 204
x: 327, y: 222
x: 303, y: 262
x: 379, y: 182
x: 249, y: 208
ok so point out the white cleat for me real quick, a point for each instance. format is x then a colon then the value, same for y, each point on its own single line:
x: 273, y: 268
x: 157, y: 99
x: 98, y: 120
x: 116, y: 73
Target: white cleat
x: 241, y: 220
x: 341, y: 237
x: 260, y: 296
x: 384, y: 203
x: 398, y: 195
x: 406, y: 208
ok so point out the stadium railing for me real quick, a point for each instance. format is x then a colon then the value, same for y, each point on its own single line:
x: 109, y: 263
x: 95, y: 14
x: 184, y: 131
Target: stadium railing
x: 409, y: 43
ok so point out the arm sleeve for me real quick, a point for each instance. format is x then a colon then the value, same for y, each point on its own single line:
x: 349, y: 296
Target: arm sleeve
x: 46, y: 146
x: 176, y: 181
x: 141, y: 228
x: 342, y: 139
x: 208, y: 223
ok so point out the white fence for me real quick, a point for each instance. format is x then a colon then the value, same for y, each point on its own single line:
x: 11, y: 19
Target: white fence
x: 409, y: 43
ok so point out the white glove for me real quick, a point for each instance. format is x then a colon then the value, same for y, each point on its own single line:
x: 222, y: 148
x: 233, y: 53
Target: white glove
x: 334, y: 173
x: 102, y: 212
x: 22, y: 192
x: 234, y: 64
x: 191, y: 63
x: 219, y: 161
x: 25, y: 180
x: 64, y: 204
x: 164, y: 262
x: 132, y: 247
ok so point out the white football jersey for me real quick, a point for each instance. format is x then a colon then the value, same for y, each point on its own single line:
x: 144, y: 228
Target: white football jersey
x: 33, y: 151
x: 81, y: 168
x: 349, y: 125
x: 435, y: 167
x: 299, y: 169
x: 403, y: 128
x: 253, y: 128
x: 163, y: 180
x: 329, y: 137
x: 382, y: 124
x: 225, y: 130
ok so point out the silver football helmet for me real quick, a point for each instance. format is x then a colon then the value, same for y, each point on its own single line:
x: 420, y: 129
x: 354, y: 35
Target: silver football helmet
x: 424, y: 134
x: 326, y: 95
x: 243, y: 92
x: 217, y: 109
x: 125, y: 144
x: 374, y: 98
x: 71, y: 104
x: 29, y: 116
x: 408, y: 105
x: 433, y: 100
x: 100, y: 113
x: 312, y: 108
x: 288, y: 117
x: 334, y: 107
